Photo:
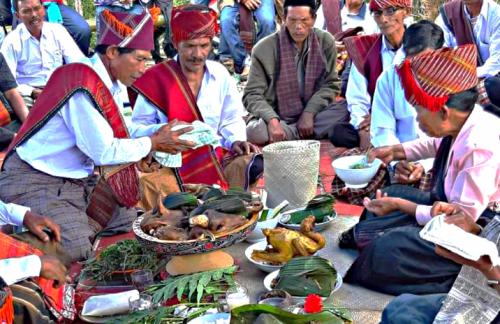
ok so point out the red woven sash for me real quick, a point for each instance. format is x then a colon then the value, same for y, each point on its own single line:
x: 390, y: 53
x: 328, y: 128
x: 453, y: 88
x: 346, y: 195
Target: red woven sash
x: 55, y: 298
x: 365, y: 54
x: 4, y: 115
x: 63, y: 83
x: 165, y: 86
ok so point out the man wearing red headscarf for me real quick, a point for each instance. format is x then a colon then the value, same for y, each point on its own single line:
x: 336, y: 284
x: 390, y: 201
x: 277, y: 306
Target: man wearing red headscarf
x: 77, y: 126
x: 370, y: 54
x: 394, y: 259
x: 193, y: 88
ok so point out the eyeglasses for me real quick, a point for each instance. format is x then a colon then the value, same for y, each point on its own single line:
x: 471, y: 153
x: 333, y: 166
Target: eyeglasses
x: 386, y: 12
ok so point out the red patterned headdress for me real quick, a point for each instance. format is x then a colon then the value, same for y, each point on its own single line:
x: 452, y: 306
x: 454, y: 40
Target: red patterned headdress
x: 382, y: 4
x: 429, y: 78
x: 193, y: 21
x: 126, y: 30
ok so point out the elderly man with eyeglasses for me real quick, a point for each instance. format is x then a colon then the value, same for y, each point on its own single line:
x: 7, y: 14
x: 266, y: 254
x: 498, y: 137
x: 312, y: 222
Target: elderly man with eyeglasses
x: 371, y: 55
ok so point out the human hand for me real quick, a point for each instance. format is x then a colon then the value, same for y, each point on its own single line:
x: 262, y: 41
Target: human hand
x: 381, y: 205
x: 483, y: 264
x: 460, y: 218
x: 244, y: 148
x: 36, y: 93
x: 53, y: 269
x: 168, y: 141
x: 276, y: 131
x: 408, y: 172
x: 36, y: 224
x: 305, y: 125
x: 365, y: 123
x: 251, y: 4
x: 148, y: 164
x: 384, y: 153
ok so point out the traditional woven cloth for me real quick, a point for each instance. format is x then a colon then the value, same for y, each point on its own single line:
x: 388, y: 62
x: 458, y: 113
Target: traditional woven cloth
x: 331, y: 11
x: 382, y: 4
x: 456, y: 19
x: 199, y: 165
x: 429, y: 78
x: 290, y: 104
x: 126, y: 30
x: 6, y: 304
x: 247, y: 28
x: 193, y: 21
x: 365, y: 54
x: 58, y: 300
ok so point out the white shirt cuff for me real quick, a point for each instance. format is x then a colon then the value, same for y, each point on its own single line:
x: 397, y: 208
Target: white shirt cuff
x: 17, y: 213
x: 17, y: 269
x: 25, y: 90
x: 423, y: 214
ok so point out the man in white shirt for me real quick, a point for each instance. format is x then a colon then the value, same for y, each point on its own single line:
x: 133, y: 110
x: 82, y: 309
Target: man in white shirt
x: 393, y: 117
x: 475, y: 22
x: 353, y: 14
x: 218, y: 102
x: 371, y: 54
x: 36, y: 48
x: 77, y: 126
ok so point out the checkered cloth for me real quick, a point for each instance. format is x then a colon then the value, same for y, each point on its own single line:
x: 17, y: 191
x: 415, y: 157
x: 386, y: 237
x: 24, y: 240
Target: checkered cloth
x: 202, y: 134
x: 382, y: 4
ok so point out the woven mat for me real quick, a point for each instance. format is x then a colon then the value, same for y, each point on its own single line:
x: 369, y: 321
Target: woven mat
x: 365, y: 305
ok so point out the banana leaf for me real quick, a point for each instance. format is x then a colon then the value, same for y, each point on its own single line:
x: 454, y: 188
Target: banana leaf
x: 302, y: 276
x: 267, y: 314
x: 176, y: 200
x: 320, y: 206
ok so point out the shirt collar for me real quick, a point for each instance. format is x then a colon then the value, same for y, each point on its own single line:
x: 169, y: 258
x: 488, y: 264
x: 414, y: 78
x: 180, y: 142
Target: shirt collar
x: 483, y: 12
x: 100, y: 69
x: 25, y: 33
x: 210, y: 70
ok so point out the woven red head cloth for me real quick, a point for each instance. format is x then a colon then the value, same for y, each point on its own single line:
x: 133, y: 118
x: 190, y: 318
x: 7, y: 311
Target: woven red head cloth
x: 429, y: 78
x: 126, y: 30
x: 382, y: 4
x: 193, y: 21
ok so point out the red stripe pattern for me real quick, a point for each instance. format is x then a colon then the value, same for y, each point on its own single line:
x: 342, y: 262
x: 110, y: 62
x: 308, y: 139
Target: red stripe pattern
x: 430, y: 77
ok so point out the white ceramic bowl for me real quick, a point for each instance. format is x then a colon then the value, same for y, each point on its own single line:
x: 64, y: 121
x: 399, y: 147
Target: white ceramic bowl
x: 318, y: 227
x: 270, y: 277
x: 267, y: 267
x: 256, y: 235
x: 355, y: 178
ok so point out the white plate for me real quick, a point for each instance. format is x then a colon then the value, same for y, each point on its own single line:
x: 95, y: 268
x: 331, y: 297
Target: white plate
x: 270, y: 277
x: 261, y: 265
x: 219, y: 318
x: 99, y: 319
x: 318, y: 227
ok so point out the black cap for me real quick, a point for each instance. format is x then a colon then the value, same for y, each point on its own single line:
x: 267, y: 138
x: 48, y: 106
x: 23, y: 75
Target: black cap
x: 301, y: 3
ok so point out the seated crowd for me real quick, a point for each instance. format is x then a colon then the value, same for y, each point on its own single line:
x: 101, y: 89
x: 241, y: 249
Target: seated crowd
x: 421, y: 97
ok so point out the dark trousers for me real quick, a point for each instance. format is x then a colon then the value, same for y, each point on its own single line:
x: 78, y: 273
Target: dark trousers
x: 412, y: 309
x: 77, y: 27
x: 395, y: 260
x: 345, y: 135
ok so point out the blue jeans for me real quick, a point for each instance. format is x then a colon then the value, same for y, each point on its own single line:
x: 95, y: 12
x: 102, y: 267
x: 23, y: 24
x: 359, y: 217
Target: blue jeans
x: 412, y: 309
x: 230, y: 20
x: 136, y: 9
x: 77, y: 27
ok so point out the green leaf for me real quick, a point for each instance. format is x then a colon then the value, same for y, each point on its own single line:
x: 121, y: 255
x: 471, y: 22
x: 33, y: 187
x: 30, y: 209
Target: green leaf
x: 249, y: 314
